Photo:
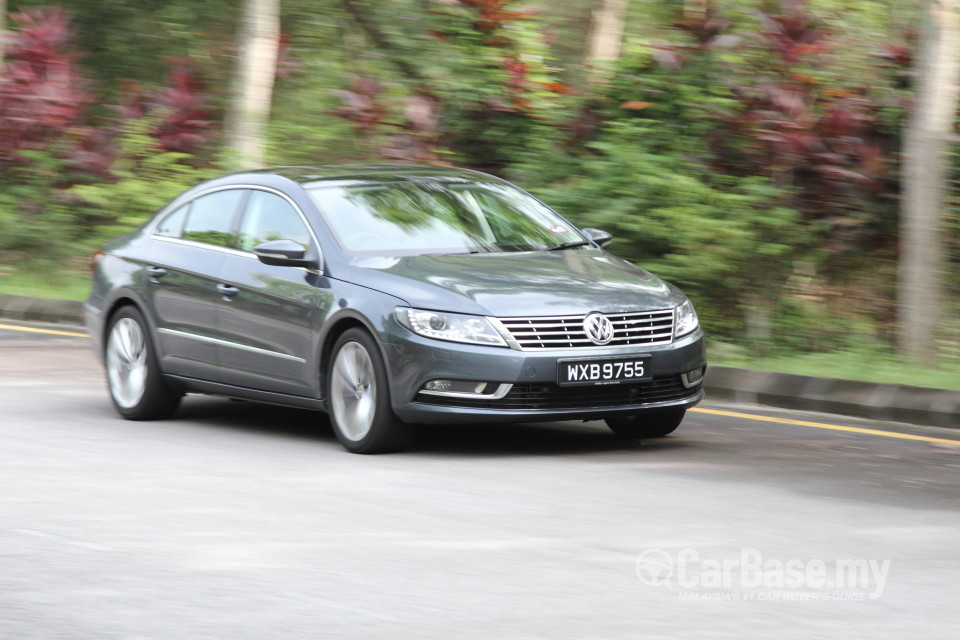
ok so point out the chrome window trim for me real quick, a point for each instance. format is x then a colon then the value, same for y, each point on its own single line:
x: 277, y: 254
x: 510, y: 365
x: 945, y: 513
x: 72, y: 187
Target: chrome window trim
x: 247, y: 254
x: 227, y: 343
x: 204, y: 245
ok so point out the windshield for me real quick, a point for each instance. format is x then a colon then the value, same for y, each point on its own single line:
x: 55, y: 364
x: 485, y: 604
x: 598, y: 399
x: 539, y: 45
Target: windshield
x: 432, y: 216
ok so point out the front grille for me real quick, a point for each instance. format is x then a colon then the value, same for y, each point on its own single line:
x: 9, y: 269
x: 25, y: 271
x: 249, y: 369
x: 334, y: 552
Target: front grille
x: 549, y: 396
x: 567, y: 332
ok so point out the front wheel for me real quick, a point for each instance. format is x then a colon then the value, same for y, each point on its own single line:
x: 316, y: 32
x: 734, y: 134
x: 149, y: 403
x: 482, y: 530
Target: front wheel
x: 358, y: 395
x: 646, y: 425
x: 133, y: 375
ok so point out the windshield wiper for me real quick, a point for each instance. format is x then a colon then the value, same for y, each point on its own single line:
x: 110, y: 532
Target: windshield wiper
x: 454, y: 253
x: 567, y: 245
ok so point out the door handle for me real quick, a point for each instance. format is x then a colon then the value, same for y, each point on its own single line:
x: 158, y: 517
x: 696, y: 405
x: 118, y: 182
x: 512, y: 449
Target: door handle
x: 227, y: 291
x: 156, y: 273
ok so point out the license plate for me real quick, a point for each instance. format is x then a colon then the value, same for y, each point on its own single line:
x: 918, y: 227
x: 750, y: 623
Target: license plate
x: 604, y: 371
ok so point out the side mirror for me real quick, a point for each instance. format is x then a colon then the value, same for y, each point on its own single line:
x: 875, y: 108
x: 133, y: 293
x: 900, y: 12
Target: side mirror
x: 602, y: 238
x: 282, y: 253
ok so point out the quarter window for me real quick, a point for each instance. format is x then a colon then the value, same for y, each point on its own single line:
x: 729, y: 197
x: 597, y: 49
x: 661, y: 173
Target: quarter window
x: 270, y: 217
x: 172, y: 225
x: 211, y: 218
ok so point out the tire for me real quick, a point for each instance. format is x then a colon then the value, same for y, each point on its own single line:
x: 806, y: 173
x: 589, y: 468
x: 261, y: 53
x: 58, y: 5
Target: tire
x: 646, y: 425
x: 133, y: 376
x: 358, y: 397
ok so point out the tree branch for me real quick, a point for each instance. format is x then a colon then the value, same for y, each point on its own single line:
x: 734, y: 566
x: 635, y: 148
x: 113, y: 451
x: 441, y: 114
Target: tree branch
x: 380, y: 40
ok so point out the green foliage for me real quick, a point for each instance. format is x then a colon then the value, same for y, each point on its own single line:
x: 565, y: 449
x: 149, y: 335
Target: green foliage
x: 870, y: 363
x: 43, y: 223
x: 815, y: 327
x: 144, y: 179
x: 134, y: 40
x: 34, y: 224
x: 715, y: 162
x: 720, y: 238
x: 483, y: 69
x: 58, y: 281
x: 302, y: 130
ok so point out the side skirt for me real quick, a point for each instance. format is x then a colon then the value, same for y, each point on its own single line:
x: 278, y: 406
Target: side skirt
x: 195, y: 385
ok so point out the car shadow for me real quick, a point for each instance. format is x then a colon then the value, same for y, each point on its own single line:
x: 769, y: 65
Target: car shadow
x: 513, y: 439
x: 519, y: 439
x: 256, y: 417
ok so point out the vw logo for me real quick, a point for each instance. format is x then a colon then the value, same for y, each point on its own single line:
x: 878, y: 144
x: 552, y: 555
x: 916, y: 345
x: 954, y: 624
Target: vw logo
x: 598, y: 328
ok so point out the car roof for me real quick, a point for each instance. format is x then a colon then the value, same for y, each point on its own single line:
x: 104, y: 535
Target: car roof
x: 333, y: 174
x: 380, y: 172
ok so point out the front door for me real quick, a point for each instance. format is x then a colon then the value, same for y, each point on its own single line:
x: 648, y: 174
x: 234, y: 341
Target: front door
x: 270, y: 324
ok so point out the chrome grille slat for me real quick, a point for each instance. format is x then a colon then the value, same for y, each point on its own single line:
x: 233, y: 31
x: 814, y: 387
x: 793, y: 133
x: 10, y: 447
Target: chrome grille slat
x: 539, y: 319
x: 551, y: 325
x: 566, y: 332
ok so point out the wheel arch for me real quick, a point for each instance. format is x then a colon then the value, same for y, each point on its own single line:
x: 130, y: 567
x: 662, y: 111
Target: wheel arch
x: 122, y: 300
x: 347, y: 320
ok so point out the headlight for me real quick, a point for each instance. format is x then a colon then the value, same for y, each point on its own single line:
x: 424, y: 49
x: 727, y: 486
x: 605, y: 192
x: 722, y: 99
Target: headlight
x: 686, y: 319
x: 450, y: 326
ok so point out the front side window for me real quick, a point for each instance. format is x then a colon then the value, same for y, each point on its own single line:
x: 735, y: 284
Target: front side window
x: 211, y: 218
x: 435, y: 216
x: 270, y: 217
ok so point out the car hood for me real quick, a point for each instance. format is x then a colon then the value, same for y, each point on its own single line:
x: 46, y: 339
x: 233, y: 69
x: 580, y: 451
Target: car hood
x: 571, y: 282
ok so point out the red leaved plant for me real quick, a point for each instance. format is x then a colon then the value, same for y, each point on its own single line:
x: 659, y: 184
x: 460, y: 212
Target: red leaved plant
x: 42, y: 98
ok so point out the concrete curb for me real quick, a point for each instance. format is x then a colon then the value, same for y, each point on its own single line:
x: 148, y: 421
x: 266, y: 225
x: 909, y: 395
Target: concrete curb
x: 41, y: 310
x: 893, y: 402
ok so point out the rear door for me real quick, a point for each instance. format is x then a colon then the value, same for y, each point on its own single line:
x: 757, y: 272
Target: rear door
x: 270, y: 325
x: 192, y: 243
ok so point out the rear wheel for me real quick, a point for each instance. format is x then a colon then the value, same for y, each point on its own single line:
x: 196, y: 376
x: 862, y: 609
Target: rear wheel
x: 358, y: 394
x: 133, y: 375
x: 646, y: 425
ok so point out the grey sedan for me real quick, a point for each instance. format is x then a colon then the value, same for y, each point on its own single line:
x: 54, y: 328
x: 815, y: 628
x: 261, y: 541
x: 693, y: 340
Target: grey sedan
x: 389, y: 296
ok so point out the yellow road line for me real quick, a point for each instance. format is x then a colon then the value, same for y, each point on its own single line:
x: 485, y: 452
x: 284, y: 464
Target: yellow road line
x: 50, y: 331
x: 831, y: 427
x: 713, y: 412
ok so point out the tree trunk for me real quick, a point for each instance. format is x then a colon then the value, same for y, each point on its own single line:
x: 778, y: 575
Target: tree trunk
x: 606, y: 35
x: 925, y: 166
x: 256, y: 65
x: 759, y: 323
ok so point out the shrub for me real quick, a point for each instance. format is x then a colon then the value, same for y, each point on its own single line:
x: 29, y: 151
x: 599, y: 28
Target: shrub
x: 143, y: 178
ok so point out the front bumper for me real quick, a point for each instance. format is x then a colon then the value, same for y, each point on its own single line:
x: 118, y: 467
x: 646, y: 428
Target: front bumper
x: 93, y: 321
x: 534, y: 395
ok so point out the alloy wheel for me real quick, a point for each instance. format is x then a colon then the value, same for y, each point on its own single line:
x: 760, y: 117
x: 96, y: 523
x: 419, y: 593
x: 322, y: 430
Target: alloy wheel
x: 127, y: 362
x: 353, y: 396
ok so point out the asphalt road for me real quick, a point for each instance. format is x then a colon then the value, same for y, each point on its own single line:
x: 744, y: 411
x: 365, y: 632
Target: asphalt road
x: 236, y: 520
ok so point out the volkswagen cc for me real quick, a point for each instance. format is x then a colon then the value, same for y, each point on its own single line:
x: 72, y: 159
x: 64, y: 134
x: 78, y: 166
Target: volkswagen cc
x: 389, y: 296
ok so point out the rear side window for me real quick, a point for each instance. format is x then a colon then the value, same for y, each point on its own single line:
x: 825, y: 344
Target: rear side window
x: 172, y: 225
x: 270, y: 217
x: 211, y: 218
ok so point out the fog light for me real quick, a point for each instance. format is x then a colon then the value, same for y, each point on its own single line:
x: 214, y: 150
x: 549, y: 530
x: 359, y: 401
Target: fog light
x: 438, y: 385
x: 466, y: 389
x: 693, y: 377
x: 457, y: 386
